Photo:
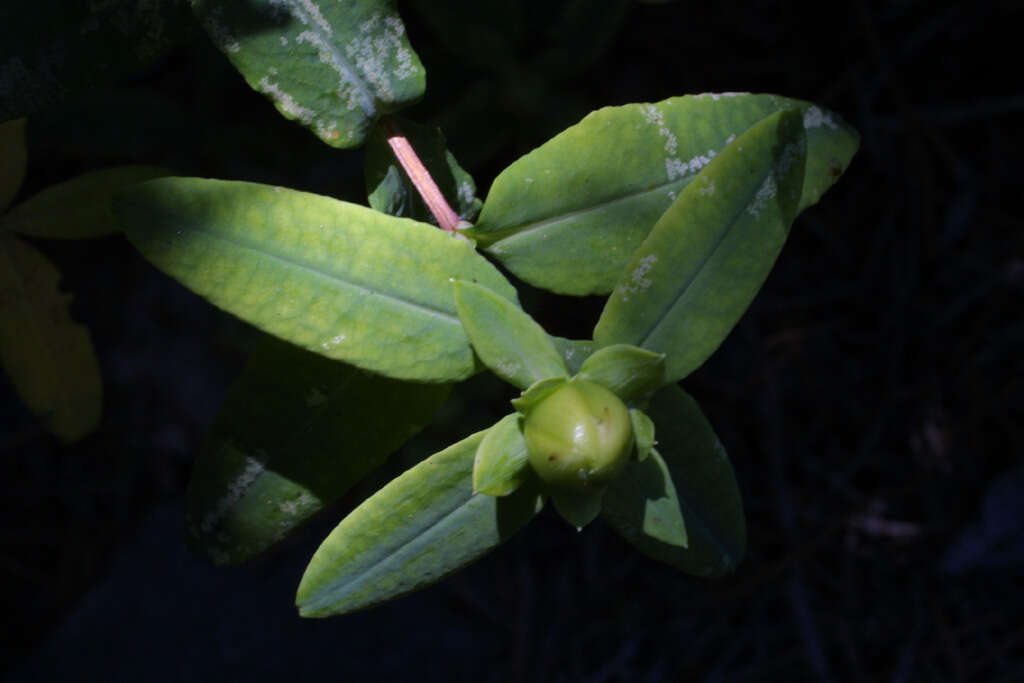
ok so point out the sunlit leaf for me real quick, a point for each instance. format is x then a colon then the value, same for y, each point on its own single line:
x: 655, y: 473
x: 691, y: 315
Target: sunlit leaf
x: 419, y: 528
x: 596, y: 189
x: 338, y: 279
x: 693, y: 277
x: 628, y: 371
x: 335, y: 67
x: 507, y: 339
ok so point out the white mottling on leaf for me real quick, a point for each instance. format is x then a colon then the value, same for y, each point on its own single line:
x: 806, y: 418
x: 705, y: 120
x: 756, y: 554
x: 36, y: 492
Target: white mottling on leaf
x: 465, y: 193
x: 528, y: 180
x: 672, y: 195
x: 306, y: 11
x: 677, y: 168
x: 253, y: 468
x: 221, y: 35
x: 285, y: 102
x: 284, y: 41
x: 765, y: 194
x: 302, y: 504
x: 729, y: 139
x: 638, y: 281
x: 715, y: 96
x: 508, y: 368
x: 333, y: 341
x: 814, y: 117
x: 709, y: 187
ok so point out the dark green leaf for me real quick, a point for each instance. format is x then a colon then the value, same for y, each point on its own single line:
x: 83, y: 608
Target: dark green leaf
x: 643, y: 433
x: 79, y: 208
x: 501, y: 465
x: 296, y: 431
x: 419, y: 528
x: 507, y: 340
x: 644, y: 500
x: 335, y: 278
x: 53, y: 49
x: 335, y: 67
x: 389, y: 188
x: 579, y: 508
x: 628, y: 371
x: 596, y: 189
x: 705, y: 259
x: 705, y: 487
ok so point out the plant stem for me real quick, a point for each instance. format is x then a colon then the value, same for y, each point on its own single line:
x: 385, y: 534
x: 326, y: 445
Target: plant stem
x: 420, y: 177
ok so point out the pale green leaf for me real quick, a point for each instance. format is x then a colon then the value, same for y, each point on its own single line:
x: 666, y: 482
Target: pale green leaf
x: 338, y: 279
x: 696, y: 273
x: 391, y: 191
x: 501, y: 465
x: 296, y: 431
x: 13, y: 160
x: 78, y: 208
x: 507, y: 339
x: 595, y: 190
x: 631, y: 373
x: 335, y: 67
x: 643, y: 433
x: 574, y: 352
x: 536, y: 393
x: 644, y: 499
x: 705, y: 487
x: 419, y: 528
x: 48, y: 357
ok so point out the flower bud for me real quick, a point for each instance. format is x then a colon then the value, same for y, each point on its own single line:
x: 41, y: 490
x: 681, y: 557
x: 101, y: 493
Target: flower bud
x: 579, y: 437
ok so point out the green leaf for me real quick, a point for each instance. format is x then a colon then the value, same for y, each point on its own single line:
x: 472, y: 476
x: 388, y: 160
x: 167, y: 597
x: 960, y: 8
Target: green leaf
x: 13, y: 160
x: 579, y: 508
x: 643, y: 433
x: 596, y: 189
x: 501, y: 465
x: 54, y: 49
x: 536, y: 393
x: 335, y: 67
x: 628, y: 371
x: 296, y: 432
x: 508, y: 341
x: 48, y: 357
x: 79, y: 208
x: 705, y: 487
x: 338, y: 279
x: 419, y: 528
x: 391, y: 191
x: 696, y: 273
x: 644, y: 500
x: 574, y: 352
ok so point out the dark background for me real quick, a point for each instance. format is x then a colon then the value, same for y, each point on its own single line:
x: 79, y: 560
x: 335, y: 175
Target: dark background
x: 870, y: 399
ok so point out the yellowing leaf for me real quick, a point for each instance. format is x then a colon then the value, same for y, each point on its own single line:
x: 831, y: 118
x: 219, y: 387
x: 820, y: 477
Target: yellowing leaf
x: 48, y: 357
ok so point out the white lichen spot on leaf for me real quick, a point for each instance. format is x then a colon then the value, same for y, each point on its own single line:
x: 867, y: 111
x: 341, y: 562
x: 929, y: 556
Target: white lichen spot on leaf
x: 638, y: 281
x: 814, y: 117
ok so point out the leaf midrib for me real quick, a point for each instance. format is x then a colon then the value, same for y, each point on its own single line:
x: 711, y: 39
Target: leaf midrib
x: 447, y: 317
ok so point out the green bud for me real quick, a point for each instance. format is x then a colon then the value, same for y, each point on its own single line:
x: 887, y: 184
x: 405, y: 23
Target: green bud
x: 579, y: 437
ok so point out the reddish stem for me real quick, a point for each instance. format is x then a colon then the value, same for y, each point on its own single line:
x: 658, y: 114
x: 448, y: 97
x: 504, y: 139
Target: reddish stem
x: 420, y: 177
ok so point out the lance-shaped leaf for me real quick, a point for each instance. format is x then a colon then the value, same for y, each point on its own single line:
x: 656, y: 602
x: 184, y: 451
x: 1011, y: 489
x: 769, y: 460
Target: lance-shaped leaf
x: 13, y: 160
x: 705, y: 486
x: 696, y: 273
x: 79, y: 208
x: 335, y: 278
x: 596, y: 189
x: 391, y: 191
x: 53, y: 49
x: 501, y: 465
x: 419, y: 528
x: 579, y: 508
x: 536, y: 393
x: 296, y: 431
x: 335, y: 67
x: 643, y: 433
x: 644, y: 499
x: 628, y: 371
x: 508, y: 341
x: 47, y: 355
